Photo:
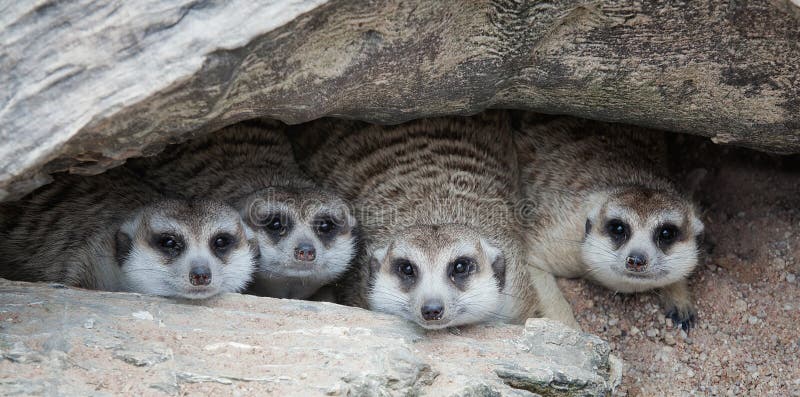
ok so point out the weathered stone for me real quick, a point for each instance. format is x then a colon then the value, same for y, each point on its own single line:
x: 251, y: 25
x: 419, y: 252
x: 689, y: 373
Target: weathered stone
x: 250, y: 345
x: 88, y: 84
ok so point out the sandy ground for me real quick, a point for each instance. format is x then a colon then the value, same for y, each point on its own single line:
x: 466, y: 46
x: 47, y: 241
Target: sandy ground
x: 747, y: 289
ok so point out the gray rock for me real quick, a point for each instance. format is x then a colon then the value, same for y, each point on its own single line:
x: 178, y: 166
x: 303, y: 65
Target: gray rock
x: 251, y: 345
x: 89, y: 84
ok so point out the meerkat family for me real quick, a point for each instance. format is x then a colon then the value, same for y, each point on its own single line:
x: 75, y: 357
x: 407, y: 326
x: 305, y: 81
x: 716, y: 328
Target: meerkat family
x: 427, y: 220
x: 435, y: 201
x: 305, y: 235
x: 112, y: 232
x: 604, y: 209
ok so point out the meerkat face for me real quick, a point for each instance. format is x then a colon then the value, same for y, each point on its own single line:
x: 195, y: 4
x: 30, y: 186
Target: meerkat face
x: 191, y: 250
x: 638, y: 239
x: 438, y: 276
x: 304, y: 233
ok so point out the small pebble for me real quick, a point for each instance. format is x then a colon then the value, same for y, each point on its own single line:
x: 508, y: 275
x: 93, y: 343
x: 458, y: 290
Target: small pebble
x: 652, y: 333
x: 790, y: 277
x: 753, y: 320
x: 669, y: 339
x: 635, y: 331
x: 613, y: 322
x: 89, y: 324
x: 740, y: 305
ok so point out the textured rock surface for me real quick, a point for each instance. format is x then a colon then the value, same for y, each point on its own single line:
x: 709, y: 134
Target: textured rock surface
x: 59, y: 341
x: 88, y: 84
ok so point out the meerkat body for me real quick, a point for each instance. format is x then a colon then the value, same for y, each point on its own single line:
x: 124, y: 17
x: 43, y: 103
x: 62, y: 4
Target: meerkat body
x: 605, y: 210
x: 306, y: 235
x: 435, y: 202
x: 112, y: 232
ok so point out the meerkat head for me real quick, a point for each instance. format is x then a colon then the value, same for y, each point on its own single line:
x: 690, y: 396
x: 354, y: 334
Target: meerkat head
x: 438, y: 276
x: 637, y: 239
x: 302, y: 233
x: 186, y: 249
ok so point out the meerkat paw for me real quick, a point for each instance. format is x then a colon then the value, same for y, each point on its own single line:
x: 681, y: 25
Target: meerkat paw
x: 685, y: 318
x: 677, y: 302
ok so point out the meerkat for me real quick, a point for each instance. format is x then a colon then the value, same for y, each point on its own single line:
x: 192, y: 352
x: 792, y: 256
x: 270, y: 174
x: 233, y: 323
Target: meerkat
x: 435, y: 203
x: 605, y: 210
x: 111, y: 232
x: 306, y: 235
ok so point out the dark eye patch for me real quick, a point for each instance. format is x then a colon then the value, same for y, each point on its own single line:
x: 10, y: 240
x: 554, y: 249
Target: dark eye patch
x: 326, y: 227
x: 666, y: 235
x: 169, y: 244
x: 222, y: 243
x: 460, y: 270
x: 618, y: 231
x: 277, y: 225
x: 406, y: 271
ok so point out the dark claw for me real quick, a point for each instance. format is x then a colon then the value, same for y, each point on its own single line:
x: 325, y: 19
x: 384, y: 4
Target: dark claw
x: 686, y: 320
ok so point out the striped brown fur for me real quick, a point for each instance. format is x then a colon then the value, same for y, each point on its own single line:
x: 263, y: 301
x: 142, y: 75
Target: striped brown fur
x: 442, y: 171
x: 226, y: 164
x: 62, y: 229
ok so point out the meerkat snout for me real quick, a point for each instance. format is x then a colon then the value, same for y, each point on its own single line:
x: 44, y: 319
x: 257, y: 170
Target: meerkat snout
x: 200, y: 274
x: 432, y: 310
x: 636, y: 262
x: 305, y: 252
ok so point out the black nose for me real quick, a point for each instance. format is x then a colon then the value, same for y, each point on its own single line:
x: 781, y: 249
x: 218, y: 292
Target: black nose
x: 432, y: 310
x: 200, y: 275
x: 305, y: 252
x: 636, y: 262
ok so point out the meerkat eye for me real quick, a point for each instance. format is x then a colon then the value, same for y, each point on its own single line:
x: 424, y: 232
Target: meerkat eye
x: 405, y: 268
x: 275, y: 223
x: 667, y: 234
x: 222, y: 241
x: 169, y: 243
x: 325, y: 226
x: 462, y: 267
x: 617, y: 229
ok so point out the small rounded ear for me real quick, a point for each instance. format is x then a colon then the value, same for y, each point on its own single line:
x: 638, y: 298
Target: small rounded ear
x: 595, y: 204
x: 498, y: 261
x: 123, y: 243
x: 376, y: 258
x: 123, y: 240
